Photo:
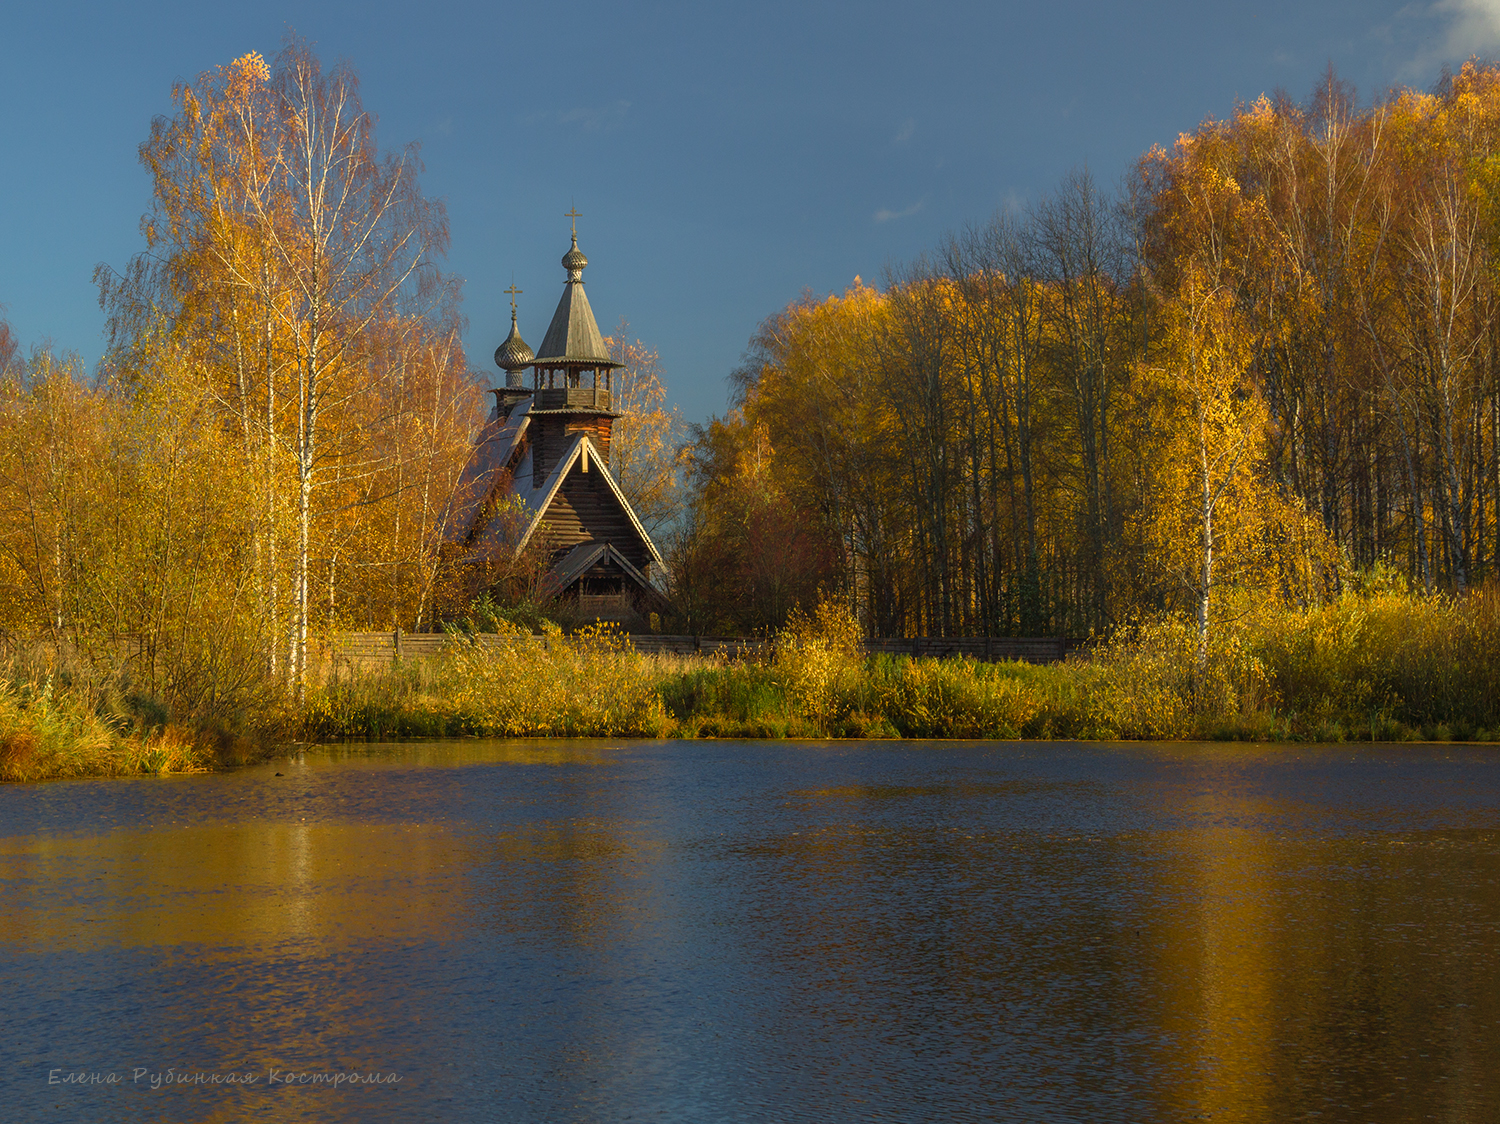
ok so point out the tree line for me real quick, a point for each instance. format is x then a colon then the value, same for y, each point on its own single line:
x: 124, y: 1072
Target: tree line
x: 1263, y: 367
x: 1261, y: 370
x: 269, y: 448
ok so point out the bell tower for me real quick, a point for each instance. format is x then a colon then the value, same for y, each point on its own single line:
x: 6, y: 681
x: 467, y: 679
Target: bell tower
x: 571, y: 384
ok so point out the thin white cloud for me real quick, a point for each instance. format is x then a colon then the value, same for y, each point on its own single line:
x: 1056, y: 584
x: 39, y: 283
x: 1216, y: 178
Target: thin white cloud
x: 589, y: 118
x: 887, y: 216
x: 1470, y: 27
x: 906, y: 131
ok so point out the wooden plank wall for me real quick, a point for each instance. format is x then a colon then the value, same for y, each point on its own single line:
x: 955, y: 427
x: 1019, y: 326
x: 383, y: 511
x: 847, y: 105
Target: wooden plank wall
x: 585, y: 510
x: 730, y: 647
x: 369, y: 651
x: 1030, y: 649
x: 376, y: 651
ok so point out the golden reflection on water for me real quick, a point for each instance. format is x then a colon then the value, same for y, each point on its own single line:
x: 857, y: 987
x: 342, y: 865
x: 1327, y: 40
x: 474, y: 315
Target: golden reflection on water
x: 1216, y: 965
x: 1272, y: 969
x: 324, y: 884
x: 1211, y: 959
x: 327, y: 885
x: 1288, y: 966
x: 287, y: 931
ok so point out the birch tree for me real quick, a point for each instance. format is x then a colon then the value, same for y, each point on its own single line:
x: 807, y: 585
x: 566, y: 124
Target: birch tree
x: 643, y: 444
x: 293, y: 259
x: 1220, y: 429
x: 358, y: 233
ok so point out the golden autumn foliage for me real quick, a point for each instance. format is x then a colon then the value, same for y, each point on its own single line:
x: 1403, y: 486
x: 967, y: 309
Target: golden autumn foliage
x: 290, y: 272
x: 1354, y: 243
x: 644, y: 441
x: 271, y: 440
x: 1268, y: 365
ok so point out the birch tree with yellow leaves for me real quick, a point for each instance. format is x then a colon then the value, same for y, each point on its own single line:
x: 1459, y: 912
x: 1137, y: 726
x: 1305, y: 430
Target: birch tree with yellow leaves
x: 644, y: 441
x: 1205, y: 515
x: 297, y: 264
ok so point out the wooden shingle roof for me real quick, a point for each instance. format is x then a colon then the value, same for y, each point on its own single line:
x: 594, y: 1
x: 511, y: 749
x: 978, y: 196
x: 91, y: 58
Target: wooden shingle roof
x: 573, y: 336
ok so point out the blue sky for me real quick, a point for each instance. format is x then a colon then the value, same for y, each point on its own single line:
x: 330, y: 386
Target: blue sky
x: 725, y: 158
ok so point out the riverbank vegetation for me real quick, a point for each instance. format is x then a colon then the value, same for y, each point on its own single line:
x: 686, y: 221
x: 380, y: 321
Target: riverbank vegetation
x: 1377, y: 665
x: 61, y: 717
x: 1238, y: 423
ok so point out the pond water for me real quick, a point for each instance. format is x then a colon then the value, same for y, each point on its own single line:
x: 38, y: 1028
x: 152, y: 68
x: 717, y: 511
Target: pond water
x: 735, y: 931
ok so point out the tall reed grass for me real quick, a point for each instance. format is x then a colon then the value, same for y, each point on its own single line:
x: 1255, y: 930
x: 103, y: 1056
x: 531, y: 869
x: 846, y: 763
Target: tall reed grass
x: 1378, y: 664
x: 591, y: 684
x: 62, y: 715
x: 46, y: 733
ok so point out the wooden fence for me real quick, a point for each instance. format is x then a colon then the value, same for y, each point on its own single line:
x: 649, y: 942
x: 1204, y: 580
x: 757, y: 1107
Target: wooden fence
x: 369, y: 651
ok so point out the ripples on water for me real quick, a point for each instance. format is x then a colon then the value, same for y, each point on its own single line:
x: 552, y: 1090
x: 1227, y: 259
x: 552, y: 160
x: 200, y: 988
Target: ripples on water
x: 714, y: 931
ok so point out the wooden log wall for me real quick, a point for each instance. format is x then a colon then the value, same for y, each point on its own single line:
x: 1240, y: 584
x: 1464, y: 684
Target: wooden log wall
x: 584, y: 510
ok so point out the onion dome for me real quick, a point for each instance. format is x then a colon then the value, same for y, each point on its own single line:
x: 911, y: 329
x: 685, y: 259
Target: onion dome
x: 513, y: 354
x: 574, y: 262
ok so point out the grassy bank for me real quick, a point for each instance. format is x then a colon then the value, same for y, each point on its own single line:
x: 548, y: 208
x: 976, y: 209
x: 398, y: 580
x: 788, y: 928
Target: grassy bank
x: 62, y: 717
x: 592, y: 684
x: 1376, y: 665
x: 46, y: 733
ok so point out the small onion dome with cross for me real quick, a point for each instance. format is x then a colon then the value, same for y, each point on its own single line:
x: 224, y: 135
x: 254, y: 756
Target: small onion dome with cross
x: 513, y: 356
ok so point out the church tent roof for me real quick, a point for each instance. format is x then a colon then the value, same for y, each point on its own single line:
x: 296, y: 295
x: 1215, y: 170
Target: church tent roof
x: 573, y: 336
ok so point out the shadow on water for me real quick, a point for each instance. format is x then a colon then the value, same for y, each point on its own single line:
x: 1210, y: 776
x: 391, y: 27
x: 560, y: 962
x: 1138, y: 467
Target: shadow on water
x: 745, y: 931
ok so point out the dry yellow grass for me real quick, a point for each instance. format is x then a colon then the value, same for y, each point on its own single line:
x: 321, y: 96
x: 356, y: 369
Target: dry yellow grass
x: 1379, y: 664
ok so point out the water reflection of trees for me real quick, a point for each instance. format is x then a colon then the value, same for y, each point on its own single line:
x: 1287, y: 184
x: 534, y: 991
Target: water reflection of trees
x: 1340, y: 974
x: 1226, y: 971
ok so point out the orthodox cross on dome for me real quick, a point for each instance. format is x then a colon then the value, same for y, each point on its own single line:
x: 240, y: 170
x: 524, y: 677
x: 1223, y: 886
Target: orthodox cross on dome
x: 513, y: 356
x: 574, y: 261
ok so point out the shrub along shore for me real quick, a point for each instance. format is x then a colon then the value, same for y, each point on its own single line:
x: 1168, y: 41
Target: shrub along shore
x: 1374, y: 666
x: 52, y: 728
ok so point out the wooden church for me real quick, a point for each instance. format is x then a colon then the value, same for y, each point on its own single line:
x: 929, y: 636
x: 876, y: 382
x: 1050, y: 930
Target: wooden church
x: 542, y: 459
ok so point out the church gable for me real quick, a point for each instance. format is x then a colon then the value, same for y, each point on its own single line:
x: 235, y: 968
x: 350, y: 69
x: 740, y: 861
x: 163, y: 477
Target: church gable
x: 581, y: 502
x: 585, y: 510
